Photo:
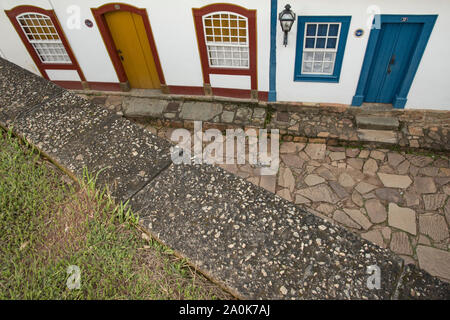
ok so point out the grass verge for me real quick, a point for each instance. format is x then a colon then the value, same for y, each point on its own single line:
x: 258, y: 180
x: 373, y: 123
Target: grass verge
x: 48, y: 223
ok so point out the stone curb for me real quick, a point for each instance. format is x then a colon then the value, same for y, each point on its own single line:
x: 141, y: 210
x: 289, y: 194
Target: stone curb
x: 329, y: 123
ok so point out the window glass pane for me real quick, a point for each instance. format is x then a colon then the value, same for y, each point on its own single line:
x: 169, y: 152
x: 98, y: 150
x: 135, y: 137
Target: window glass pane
x: 308, y: 56
x: 328, y: 67
x: 309, y: 43
x: 320, y: 43
x: 307, y: 67
x: 329, y: 56
x: 311, y: 29
x: 317, y: 67
x: 322, y: 30
x: 318, y: 56
x: 331, y: 43
x: 333, y: 31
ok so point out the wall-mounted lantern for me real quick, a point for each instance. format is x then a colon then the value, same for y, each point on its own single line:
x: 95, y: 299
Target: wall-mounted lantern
x: 287, y: 18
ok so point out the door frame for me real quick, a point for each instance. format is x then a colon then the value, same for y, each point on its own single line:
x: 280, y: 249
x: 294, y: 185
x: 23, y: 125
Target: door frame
x: 401, y: 96
x: 99, y: 15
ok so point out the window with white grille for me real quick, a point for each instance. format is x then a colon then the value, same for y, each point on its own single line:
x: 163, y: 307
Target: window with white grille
x: 320, y: 46
x: 226, y: 36
x: 43, y: 36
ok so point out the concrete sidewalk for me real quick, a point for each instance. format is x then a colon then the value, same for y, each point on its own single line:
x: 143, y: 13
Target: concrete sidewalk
x: 255, y: 244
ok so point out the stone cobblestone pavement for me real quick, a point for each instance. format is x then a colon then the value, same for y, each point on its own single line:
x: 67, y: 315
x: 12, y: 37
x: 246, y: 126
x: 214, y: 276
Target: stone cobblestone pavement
x: 394, y: 199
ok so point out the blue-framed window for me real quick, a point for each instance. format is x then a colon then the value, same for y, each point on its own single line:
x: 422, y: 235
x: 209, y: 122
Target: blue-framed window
x: 320, y: 47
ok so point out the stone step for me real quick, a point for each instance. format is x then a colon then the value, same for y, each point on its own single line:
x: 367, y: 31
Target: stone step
x: 378, y: 136
x: 377, y: 123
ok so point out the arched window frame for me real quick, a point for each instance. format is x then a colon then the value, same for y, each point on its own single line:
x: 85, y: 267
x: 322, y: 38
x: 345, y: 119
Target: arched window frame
x: 19, y: 11
x: 207, y: 68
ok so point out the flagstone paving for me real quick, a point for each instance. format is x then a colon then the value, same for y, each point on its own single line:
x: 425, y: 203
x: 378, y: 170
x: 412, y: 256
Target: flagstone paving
x: 396, y: 200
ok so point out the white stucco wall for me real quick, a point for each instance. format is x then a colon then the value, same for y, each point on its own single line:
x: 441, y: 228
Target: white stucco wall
x: 176, y: 43
x: 430, y: 85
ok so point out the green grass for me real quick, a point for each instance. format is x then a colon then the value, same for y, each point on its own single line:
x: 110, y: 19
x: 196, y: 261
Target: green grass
x: 48, y: 223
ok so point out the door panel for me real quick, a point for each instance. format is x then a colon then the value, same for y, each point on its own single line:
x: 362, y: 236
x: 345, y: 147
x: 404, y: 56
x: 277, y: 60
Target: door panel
x: 130, y: 38
x: 393, y: 53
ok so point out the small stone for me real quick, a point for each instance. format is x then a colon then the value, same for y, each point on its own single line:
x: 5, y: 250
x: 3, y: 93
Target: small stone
x: 388, y: 194
x: 394, y: 159
x: 402, y: 218
x: 357, y: 198
x: 227, y: 116
x: 377, y: 155
x: 364, y: 154
x: 340, y: 191
x: 434, y: 261
x: 355, y: 163
x: 395, y: 181
x: 364, y: 187
x: 325, y: 173
x: 286, y: 179
x: 301, y: 200
x: 312, y: 180
x: 359, y: 217
x: 375, y: 237
x: 336, y: 156
x: 353, y: 152
x: 434, y: 201
x: 292, y: 160
x: 434, y: 226
x: 291, y: 147
x: 346, y: 180
x: 316, y: 151
x: 319, y: 193
x: 283, y: 291
x: 341, y: 217
x: 424, y: 240
x: 386, y: 232
x: 424, y: 185
x: 375, y: 210
x: 411, y: 198
x: 420, y: 161
x: 268, y: 183
x: 285, y: 194
x: 400, y: 243
x: 415, y: 131
x: 326, y: 208
x: 370, y: 167
x: 429, y: 171
x: 403, y: 168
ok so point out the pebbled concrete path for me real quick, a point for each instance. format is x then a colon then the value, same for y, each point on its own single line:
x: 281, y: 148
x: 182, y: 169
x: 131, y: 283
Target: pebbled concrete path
x: 257, y: 245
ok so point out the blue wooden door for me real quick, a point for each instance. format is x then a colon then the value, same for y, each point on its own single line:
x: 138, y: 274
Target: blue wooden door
x: 393, y: 54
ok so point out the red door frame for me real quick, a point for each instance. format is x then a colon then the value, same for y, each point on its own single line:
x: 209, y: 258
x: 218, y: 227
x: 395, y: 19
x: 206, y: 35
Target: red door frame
x: 206, y: 69
x: 109, y: 42
x: 13, y: 13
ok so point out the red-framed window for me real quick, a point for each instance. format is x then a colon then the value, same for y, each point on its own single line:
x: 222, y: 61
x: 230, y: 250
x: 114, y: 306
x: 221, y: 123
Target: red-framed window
x: 226, y: 36
x: 44, y: 39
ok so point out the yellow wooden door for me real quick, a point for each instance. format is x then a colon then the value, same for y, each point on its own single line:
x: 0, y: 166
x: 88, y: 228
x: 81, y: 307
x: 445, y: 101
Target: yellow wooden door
x: 129, y: 35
